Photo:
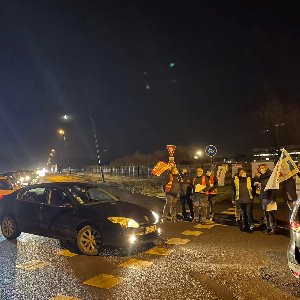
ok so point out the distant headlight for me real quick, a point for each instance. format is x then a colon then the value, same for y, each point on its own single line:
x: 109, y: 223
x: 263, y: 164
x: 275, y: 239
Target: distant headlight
x: 27, y: 178
x: 126, y: 222
x: 155, y: 215
x: 22, y: 179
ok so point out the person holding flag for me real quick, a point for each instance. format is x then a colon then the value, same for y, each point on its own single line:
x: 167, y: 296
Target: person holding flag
x: 284, y: 170
x: 267, y: 196
x: 171, y: 187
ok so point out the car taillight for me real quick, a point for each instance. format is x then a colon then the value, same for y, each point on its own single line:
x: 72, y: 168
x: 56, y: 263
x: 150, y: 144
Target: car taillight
x: 1, y: 196
x: 295, y: 225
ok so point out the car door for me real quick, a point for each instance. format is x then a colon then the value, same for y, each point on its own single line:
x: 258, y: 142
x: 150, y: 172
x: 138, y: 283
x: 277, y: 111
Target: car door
x: 29, y: 207
x: 58, y: 216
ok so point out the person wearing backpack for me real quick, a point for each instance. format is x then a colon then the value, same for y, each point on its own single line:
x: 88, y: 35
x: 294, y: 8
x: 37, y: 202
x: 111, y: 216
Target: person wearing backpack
x: 171, y: 188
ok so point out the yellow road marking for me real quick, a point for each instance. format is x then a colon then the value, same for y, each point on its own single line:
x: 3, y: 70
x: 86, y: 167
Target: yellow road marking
x: 228, y: 212
x: 136, y: 264
x: 159, y: 251
x: 104, y: 281
x: 66, y: 253
x: 192, y: 232
x: 200, y: 226
x: 33, y: 264
x: 63, y: 297
x: 177, y: 241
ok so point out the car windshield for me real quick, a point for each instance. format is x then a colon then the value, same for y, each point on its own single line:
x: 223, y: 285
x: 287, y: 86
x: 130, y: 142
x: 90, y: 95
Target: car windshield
x: 90, y: 195
x: 5, y: 185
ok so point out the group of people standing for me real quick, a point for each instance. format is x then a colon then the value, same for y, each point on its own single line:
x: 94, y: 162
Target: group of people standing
x: 245, y: 188
x: 196, y: 192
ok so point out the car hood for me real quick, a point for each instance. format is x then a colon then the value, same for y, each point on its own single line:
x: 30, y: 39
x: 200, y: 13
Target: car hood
x: 124, y: 209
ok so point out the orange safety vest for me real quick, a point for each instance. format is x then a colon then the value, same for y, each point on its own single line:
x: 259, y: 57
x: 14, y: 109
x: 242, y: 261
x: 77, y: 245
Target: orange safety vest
x: 211, y: 181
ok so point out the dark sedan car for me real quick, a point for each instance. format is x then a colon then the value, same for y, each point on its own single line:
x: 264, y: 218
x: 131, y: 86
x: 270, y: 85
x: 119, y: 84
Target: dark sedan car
x: 79, y: 212
x: 293, y: 252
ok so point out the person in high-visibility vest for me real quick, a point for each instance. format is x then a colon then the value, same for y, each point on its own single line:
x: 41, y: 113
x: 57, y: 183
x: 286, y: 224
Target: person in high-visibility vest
x: 201, y: 185
x: 244, y: 199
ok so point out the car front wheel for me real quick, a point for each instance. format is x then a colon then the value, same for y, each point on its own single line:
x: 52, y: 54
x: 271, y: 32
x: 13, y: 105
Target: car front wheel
x: 9, y: 228
x: 89, y: 240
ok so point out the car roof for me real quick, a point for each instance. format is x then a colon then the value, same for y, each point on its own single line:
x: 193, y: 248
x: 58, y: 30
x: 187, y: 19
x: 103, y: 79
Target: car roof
x: 63, y: 184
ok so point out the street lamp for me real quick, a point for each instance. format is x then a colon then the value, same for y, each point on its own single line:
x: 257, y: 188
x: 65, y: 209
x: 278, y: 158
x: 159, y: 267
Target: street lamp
x: 62, y: 132
x: 199, y: 153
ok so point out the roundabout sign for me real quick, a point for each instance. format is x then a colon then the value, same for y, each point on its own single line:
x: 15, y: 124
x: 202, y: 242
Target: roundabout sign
x: 211, y: 150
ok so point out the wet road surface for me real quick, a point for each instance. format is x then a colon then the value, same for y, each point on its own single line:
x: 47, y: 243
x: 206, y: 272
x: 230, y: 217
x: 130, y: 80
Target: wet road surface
x: 189, y: 261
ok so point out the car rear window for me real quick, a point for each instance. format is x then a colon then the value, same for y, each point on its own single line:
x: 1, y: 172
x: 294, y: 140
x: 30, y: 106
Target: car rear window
x: 5, y: 185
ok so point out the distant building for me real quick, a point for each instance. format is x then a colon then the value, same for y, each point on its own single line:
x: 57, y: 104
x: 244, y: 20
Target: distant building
x: 267, y: 154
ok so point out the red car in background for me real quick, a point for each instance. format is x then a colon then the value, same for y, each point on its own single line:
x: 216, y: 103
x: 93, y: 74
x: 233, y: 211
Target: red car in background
x: 6, y: 187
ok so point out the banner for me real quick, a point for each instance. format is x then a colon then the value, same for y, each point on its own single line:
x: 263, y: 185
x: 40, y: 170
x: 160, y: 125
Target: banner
x: 235, y: 168
x: 226, y: 167
x: 159, y: 168
x: 221, y: 175
x: 284, y: 169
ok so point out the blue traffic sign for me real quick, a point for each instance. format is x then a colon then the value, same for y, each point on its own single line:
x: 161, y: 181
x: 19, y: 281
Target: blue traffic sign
x: 211, y: 150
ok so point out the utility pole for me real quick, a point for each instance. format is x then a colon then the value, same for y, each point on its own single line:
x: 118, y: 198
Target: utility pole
x: 96, y: 143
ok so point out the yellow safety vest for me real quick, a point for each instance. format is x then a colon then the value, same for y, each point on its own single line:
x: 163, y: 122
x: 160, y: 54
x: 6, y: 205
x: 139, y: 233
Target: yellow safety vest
x: 237, y: 187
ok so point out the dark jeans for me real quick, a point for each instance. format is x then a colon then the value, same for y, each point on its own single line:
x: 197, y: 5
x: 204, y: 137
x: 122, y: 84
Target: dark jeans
x: 270, y: 219
x: 247, y: 218
x: 189, y: 201
x: 211, y: 206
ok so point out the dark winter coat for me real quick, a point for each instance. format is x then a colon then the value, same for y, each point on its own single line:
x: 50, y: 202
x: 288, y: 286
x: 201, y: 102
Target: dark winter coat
x: 268, y: 194
x: 185, y: 187
x: 175, y: 186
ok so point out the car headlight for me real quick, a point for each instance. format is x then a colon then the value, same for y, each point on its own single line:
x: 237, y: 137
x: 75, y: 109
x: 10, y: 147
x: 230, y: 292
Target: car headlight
x: 126, y: 222
x: 27, y: 178
x: 155, y: 215
x: 21, y: 179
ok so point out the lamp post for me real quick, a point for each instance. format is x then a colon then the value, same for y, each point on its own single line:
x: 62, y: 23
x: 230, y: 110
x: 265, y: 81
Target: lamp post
x: 62, y: 132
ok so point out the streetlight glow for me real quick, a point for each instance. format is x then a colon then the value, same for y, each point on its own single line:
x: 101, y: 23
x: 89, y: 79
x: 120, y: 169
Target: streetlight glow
x: 195, y: 157
x: 199, y: 153
x: 61, y: 132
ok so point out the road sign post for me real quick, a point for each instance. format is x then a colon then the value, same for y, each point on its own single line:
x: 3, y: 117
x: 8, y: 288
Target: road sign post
x: 211, y: 151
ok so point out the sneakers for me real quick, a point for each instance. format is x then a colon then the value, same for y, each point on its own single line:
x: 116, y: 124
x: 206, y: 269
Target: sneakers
x: 251, y: 228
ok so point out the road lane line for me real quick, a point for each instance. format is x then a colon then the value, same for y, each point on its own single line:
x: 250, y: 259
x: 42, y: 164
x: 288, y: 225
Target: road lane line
x: 63, y: 297
x: 228, y: 212
x: 177, y: 241
x: 66, y: 253
x: 200, y: 226
x: 33, y: 265
x: 136, y: 264
x: 104, y: 281
x: 192, y: 232
x: 159, y: 251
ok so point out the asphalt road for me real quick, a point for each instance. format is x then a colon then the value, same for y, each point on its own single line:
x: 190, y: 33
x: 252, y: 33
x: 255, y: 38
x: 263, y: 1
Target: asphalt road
x: 218, y: 262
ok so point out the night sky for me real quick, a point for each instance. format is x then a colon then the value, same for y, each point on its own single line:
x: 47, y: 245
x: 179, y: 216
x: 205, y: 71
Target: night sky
x: 59, y: 57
